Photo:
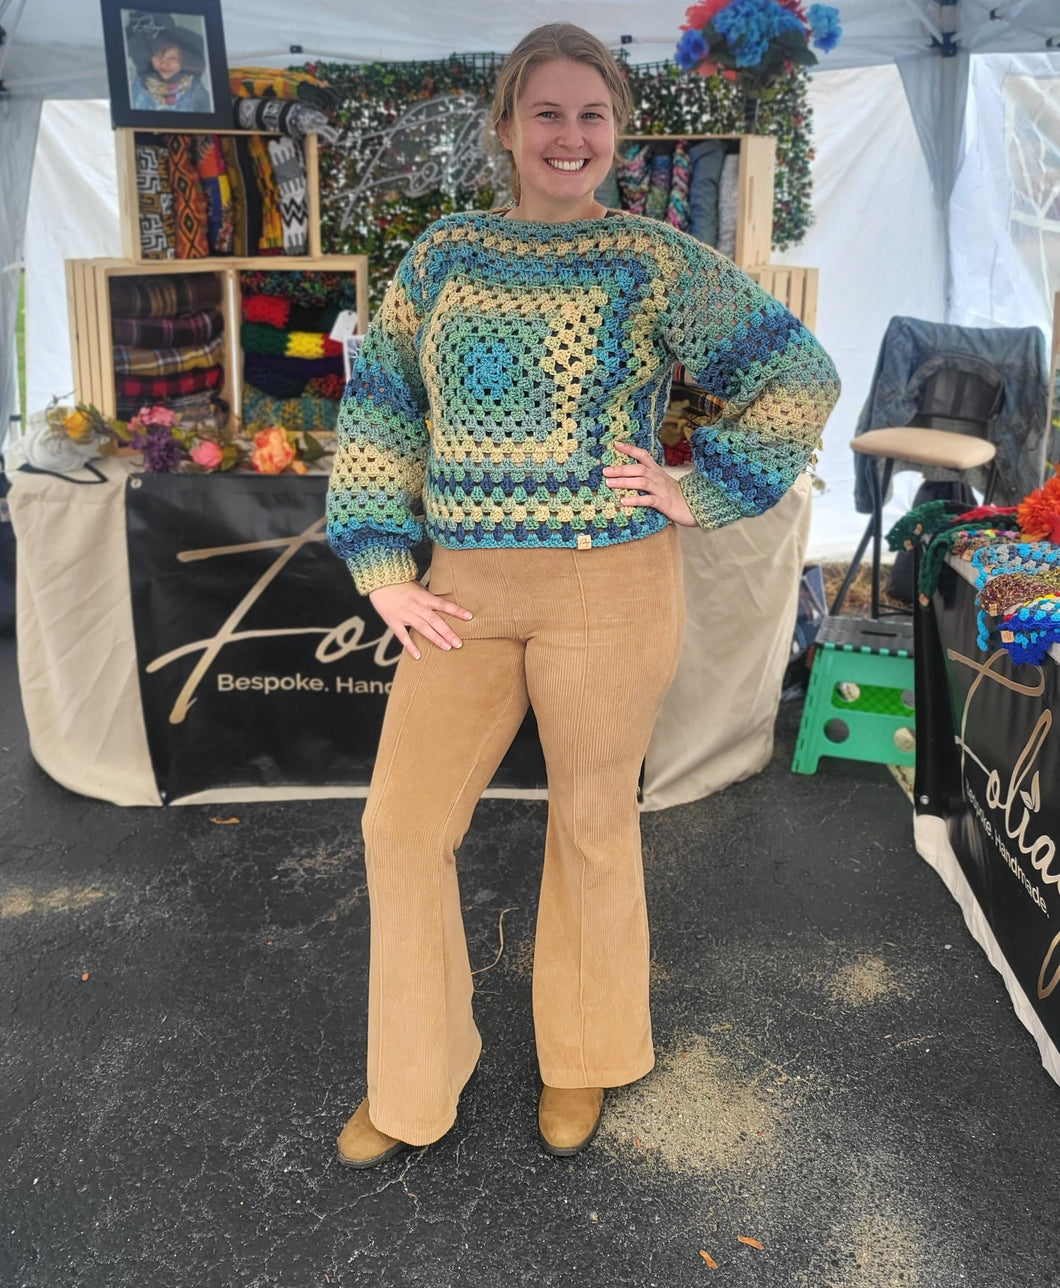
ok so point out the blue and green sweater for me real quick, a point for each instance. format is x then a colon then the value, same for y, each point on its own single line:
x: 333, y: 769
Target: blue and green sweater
x: 509, y: 356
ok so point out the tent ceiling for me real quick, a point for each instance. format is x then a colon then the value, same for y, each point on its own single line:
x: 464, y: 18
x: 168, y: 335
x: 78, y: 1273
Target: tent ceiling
x: 874, y: 31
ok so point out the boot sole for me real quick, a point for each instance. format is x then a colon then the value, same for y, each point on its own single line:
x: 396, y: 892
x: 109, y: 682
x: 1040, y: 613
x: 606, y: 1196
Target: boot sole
x: 360, y: 1163
x: 568, y: 1151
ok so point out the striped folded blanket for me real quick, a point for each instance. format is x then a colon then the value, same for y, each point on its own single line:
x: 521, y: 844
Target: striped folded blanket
x: 168, y: 333
x: 163, y: 388
x: 164, y: 296
x: 318, y: 415
x: 256, y: 337
x: 271, y: 82
x: 167, y: 362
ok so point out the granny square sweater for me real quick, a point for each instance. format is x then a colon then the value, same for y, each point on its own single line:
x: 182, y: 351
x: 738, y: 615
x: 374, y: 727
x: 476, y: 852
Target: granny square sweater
x: 508, y: 357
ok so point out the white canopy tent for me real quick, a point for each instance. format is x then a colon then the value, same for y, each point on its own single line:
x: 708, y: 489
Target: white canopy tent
x: 937, y: 131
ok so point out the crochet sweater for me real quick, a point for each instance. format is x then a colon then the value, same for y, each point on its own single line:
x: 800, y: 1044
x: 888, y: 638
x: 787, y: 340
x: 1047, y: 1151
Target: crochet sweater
x: 508, y: 356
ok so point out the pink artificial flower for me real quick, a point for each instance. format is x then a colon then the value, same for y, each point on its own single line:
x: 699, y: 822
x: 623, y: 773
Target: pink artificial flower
x: 157, y: 415
x: 207, y: 454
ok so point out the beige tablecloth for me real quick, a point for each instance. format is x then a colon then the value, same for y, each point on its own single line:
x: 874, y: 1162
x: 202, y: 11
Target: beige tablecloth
x: 77, y: 657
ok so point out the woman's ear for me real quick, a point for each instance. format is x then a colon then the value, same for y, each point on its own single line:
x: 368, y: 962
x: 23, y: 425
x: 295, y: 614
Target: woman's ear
x: 504, y: 133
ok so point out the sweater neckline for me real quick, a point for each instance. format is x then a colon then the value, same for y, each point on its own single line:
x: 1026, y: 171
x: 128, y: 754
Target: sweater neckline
x: 558, y: 228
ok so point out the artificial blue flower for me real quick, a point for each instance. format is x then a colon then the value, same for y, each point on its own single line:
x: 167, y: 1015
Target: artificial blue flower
x: 824, y: 26
x: 691, y: 49
x: 749, y: 26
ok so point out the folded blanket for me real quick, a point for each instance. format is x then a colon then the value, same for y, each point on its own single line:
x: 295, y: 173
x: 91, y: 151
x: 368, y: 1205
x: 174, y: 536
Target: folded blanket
x: 189, y: 199
x: 289, y: 173
x: 271, y: 238
x: 286, y: 377
x: 158, y: 234
x: 309, y: 289
x: 213, y: 175
x: 318, y: 415
x: 172, y: 333
x: 167, y: 361
x: 203, y: 412
x: 164, y: 296
x: 276, y: 311
x: 259, y: 338
x: 162, y: 388
x: 677, y: 211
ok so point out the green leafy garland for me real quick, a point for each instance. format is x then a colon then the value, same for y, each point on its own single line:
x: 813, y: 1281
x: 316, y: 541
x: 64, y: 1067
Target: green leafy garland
x: 386, y: 222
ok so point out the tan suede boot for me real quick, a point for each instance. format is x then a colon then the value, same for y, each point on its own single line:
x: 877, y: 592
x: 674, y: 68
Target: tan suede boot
x: 360, y: 1145
x: 568, y: 1118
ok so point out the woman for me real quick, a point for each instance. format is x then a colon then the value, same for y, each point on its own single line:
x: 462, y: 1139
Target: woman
x: 511, y: 387
x: 169, y: 64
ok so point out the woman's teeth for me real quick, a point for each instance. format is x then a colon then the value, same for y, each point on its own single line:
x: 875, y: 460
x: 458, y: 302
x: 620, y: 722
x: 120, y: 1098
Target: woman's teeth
x: 567, y: 165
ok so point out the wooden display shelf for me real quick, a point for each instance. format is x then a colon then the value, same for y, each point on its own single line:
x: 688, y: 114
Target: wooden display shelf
x: 796, y: 288
x: 89, y: 305
x: 129, y: 198
x: 754, y: 220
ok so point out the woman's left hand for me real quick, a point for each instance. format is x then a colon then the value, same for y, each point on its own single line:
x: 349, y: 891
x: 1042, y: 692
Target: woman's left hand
x: 661, y: 491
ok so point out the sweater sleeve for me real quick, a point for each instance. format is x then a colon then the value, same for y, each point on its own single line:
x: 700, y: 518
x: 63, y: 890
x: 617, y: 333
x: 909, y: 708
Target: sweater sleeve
x: 772, y: 383
x: 375, y: 492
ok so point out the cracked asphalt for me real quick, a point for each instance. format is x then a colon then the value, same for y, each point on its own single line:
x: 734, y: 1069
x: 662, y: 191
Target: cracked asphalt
x: 840, y: 1076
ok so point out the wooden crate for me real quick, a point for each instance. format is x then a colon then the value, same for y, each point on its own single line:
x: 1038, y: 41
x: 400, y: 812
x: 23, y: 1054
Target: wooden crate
x: 88, y: 302
x: 754, y: 220
x: 129, y: 200
x: 796, y: 288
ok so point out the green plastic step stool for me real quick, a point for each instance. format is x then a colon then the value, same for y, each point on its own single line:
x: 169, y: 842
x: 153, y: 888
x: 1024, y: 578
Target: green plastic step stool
x: 859, y: 704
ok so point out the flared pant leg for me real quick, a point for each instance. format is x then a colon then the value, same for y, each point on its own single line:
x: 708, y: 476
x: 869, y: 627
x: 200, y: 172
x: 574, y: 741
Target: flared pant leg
x: 596, y: 682
x: 450, y: 718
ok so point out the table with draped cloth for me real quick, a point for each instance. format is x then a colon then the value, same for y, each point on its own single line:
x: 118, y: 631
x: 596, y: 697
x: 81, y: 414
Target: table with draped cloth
x: 120, y: 583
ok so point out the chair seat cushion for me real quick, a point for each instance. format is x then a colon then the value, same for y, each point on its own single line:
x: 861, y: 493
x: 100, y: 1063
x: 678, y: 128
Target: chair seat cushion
x: 926, y: 447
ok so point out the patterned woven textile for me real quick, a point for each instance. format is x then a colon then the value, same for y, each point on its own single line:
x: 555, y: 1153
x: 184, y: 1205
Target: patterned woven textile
x: 309, y: 290
x: 213, y: 174
x: 189, y: 200
x: 202, y: 411
x: 259, y: 338
x: 166, y: 362
x: 268, y: 82
x: 168, y: 333
x: 286, y: 377
x: 271, y: 238
x: 278, y: 117
x: 633, y: 172
x: 251, y: 194
x: 659, y: 185
x: 680, y: 180
x: 288, y: 167
x: 318, y: 415
x: 164, y: 296
x: 236, y: 182
x: 276, y: 311
x: 155, y: 201
x: 508, y: 357
x: 162, y: 388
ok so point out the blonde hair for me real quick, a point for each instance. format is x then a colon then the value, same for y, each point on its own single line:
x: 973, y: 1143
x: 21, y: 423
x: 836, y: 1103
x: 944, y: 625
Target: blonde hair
x: 544, y: 45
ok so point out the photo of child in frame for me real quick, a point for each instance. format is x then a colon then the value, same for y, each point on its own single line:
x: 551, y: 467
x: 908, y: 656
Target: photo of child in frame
x: 167, y: 61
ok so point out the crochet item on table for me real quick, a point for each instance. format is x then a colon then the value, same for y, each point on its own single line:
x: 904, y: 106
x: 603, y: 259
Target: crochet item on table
x: 996, y: 562
x: 633, y: 172
x: 158, y: 233
x: 213, y: 174
x: 275, y: 116
x: 259, y: 338
x: 1004, y: 593
x: 509, y: 356
x: 318, y: 415
x: 677, y: 211
x: 189, y: 199
x: 288, y: 168
x: 968, y: 540
x: 163, y: 296
x: 939, y: 526
x: 167, y: 361
x: 305, y: 289
x: 167, y: 333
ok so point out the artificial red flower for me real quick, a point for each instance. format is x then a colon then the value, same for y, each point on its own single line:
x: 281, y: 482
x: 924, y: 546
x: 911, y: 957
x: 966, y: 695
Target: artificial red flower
x: 698, y: 15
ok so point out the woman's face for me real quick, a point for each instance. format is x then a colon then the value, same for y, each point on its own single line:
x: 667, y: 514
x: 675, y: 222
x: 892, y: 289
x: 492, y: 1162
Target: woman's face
x: 166, y: 61
x: 562, y: 138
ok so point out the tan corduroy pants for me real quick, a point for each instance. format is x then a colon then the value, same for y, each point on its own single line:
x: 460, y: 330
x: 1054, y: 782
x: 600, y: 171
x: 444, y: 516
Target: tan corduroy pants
x: 591, y: 638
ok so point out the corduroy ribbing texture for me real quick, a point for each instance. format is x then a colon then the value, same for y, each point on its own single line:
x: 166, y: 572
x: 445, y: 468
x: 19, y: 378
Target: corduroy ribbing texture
x: 591, y: 638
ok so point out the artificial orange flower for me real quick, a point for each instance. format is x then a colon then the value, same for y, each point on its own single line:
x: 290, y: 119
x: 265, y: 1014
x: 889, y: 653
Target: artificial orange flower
x: 272, y: 452
x: 1039, y: 513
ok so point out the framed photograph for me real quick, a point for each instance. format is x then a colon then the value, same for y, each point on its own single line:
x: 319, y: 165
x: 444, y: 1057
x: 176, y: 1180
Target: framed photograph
x: 166, y: 67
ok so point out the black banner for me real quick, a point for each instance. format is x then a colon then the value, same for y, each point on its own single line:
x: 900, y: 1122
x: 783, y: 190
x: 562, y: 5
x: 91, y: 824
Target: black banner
x: 1003, y: 812
x: 259, y: 663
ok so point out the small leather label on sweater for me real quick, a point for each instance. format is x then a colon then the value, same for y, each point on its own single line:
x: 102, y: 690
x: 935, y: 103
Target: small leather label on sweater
x: 585, y: 542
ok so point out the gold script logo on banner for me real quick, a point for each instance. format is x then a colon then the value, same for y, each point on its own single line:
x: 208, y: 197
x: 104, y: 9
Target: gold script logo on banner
x: 347, y: 637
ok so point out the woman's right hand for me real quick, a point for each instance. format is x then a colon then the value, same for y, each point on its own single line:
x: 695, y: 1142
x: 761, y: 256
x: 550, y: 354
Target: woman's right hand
x: 406, y: 604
